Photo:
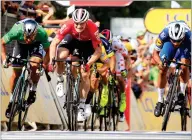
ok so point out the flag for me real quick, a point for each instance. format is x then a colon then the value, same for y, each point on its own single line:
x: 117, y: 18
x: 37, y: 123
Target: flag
x: 174, y: 4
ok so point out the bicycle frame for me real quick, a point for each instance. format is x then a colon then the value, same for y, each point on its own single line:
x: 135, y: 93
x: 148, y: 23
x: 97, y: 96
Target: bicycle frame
x: 72, y: 95
x: 19, y: 92
x: 172, y: 95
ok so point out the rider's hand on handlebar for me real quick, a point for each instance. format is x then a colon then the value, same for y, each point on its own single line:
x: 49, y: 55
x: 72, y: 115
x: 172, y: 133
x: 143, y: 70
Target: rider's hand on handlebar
x: 86, y: 67
x: 50, y: 68
x: 162, y: 65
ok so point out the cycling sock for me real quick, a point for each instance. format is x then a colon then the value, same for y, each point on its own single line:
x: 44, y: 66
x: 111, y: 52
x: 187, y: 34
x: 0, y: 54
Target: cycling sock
x: 89, y: 97
x: 183, y: 87
x: 160, y: 94
x: 60, y: 77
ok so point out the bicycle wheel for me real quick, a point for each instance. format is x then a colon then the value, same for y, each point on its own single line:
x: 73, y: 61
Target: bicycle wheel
x: 109, y: 110
x: 183, y: 113
x: 115, y: 114
x: 15, y: 105
x: 169, y: 106
x: 75, y: 103
x: 22, y: 114
x: 69, y: 103
x: 95, y: 107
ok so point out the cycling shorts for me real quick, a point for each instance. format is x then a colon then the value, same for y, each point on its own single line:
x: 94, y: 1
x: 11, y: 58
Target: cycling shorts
x: 78, y: 48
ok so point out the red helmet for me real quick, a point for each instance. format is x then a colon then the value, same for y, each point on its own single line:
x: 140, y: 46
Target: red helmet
x: 107, y: 33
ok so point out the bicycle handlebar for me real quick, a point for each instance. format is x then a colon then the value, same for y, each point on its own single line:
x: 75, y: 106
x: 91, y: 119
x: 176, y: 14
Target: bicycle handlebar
x: 68, y: 60
x: 165, y: 60
x: 25, y: 61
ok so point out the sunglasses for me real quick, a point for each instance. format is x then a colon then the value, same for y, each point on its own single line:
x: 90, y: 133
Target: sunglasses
x: 177, y: 41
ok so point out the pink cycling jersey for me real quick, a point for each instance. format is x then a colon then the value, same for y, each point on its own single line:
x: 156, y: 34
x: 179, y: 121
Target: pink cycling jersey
x: 89, y: 33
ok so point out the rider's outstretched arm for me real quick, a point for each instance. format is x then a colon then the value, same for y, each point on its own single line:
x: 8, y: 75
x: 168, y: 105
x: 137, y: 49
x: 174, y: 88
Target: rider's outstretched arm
x: 3, y: 50
x: 53, y: 47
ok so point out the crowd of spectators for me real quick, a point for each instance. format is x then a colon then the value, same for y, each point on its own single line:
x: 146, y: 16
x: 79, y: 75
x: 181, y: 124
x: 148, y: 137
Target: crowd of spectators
x: 27, y: 9
x: 143, y: 73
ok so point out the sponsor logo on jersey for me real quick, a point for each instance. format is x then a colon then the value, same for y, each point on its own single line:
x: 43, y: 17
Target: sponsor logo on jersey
x: 162, y: 35
x: 158, y: 42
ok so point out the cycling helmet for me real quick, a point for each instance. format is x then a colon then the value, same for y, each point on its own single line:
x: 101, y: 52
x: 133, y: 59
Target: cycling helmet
x: 177, y: 31
x: 80, y: 15
x: 107, y: 33
x: 30, y: 27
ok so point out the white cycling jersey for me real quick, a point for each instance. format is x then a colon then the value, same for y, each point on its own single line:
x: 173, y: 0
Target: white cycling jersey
x: 120, y: 52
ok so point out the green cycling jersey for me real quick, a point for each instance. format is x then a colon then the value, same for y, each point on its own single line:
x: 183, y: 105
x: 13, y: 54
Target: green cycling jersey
x: 17, y: 33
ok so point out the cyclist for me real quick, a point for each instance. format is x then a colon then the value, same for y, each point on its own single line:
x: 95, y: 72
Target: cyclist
x: 31, y: 39
x: 107, y: 60
x: 173, y: 42
x: 122, y: 61
x: 78, y: 34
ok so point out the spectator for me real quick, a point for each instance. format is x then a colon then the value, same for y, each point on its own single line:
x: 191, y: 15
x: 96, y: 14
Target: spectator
x: 9, y: 6
x: 43, y: 8
x: 27, y: 10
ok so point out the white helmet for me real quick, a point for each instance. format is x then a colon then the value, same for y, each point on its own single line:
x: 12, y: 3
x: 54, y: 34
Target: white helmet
x: 177, y: 31
x: 80, y: 15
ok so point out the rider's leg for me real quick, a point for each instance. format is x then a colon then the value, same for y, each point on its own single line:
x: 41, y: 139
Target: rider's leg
x: 162, y: 80
x: 183, y: 54
x: 93, y: 87
x: 85, y: 50
x: 184, y: 77
x: 62, y: 53
x: 121, y: 86
x: 169, y: 52
x: 84, y: 89
x: 35, y: 78
x: 105, y: 91
x: 36, y: 52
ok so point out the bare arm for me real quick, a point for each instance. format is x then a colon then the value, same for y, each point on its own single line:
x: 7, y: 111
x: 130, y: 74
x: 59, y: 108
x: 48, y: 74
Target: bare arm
x: 53, y: 49
x: 156, y: 56
x: 96, y: 55
x: 46, y: 58
x: 46, y: 19
x: 3, y: 50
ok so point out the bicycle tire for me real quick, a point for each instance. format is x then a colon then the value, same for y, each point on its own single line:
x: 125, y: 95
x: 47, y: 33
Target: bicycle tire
x: 14, y: 107
x: 110, y: 107
x: 69, y: 104
x: 168, y: 107
x: 75, y: 103
x: 94, y: 110
x: 183, y: 113
x: 115, y: 111
x: 21, y: 120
